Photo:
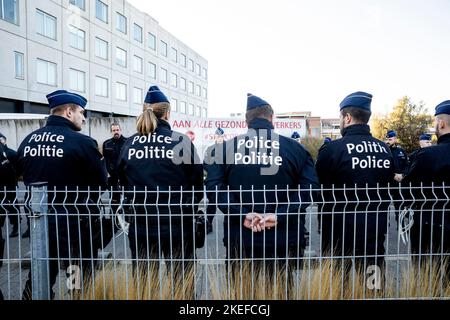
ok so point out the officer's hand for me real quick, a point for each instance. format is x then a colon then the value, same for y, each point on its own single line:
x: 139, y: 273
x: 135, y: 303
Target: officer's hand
x: 398, y: 177
x: 252, y: 222
x: 269, y: 221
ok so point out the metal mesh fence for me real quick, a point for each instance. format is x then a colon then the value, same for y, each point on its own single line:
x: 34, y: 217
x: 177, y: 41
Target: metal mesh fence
x: 346, y: 242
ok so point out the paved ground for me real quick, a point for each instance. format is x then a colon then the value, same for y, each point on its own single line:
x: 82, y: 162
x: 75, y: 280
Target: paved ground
x: 15, y: 269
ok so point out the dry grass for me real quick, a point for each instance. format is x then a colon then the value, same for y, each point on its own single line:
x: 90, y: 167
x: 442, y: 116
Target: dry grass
x: 316, y: 281
x: 148, y: 282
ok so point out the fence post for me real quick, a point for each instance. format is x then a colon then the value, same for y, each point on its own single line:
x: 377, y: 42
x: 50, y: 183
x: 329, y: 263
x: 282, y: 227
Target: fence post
x: 39, y: 241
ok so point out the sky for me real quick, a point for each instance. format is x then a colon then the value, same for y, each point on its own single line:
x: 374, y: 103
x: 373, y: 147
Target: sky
x: 307, y: 55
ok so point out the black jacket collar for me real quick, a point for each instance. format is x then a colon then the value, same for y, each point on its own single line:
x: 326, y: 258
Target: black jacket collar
x: 444, y: 138
x: 59, y: 121
x: 164, y: 124
x: 260, y: 123
x: 357, y: 130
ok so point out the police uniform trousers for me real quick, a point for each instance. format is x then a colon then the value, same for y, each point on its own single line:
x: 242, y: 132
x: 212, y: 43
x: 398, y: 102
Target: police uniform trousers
x: 69, y: 245
x: 354, y: 232
x: 274, y: 250
x: 155, y: 238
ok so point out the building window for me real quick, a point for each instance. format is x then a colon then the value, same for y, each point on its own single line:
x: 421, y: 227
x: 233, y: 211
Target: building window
x: 163, y: 75
x: 173, y: 80
x: 101, y: 11
x: 198, y: 70
x: 137, y: 64
x: 198, y: 111
x: 46, y: 24
x: 8, y: 11
x: 174, y: 55
x: 191, y: 87
x: 205, y: 73
x: 137, y: 95
x: 19, y: 65
x: 188, y: 111
x: 46, y: 72
x: 152, y: 70
x: 121, y: 91
x: 191, y: 65
x: 137, y: 33
x: 183, y: 84
x: 163, y: 49
x: 174, y: 104
x: 151, y: 41
x: 191, y: 109
x: 198, y: 91
x: 204, y: 93
x: 76, y: 38
x: 183, y: 59
x: 121, y: 57
x: 77, y: 80
x: 78, y: 3
x: 205, y: 113
x: 182, y: 108
x: 121, y: 21
x: 101, y: 87
x: 101, y: 48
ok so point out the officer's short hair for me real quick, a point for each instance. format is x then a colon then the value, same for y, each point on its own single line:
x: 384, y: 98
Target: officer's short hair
x: 359, y: 115
x: 114, y: 124
x: 62, y: 108
x: 445, y: 118
x: 261, y: 112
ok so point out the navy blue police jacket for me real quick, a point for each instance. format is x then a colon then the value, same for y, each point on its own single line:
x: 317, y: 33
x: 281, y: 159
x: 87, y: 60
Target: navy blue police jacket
x: 66, y: 160
x: 357, y: 159
x: 411, y: 158
x: 286, y: 188
x: 111, y: 151
x: 401, y: 161
x: 430, y: 178
x: 163, y: 176
x: 8, y: 168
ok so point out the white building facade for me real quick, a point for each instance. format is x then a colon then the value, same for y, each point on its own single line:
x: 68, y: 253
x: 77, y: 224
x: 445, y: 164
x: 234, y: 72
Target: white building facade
x: 105, y: 50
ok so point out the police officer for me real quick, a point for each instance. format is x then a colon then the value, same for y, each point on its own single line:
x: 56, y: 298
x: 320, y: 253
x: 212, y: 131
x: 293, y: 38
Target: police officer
x: 165, y: 165
x: 429, y: 232
x: 400, y: 156
x: 8, y: 184
x: 209, y: 159
x: 356, y: 160
x: 111, y: 152
x: 257, y: 219
x: 296, y: 136
x: 66, y: 159
x: 424, y: 142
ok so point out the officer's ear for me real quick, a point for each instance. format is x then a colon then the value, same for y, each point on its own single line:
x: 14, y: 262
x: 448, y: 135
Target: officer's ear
x: 348, y: 118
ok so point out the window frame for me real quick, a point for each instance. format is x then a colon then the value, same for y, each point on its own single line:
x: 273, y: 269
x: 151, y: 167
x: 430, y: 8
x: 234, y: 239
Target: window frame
x: 126, y: 57
x: 76, y: 5
x: 141, y: 36
x: 78, y: 38
x: 16, y: 12
x: 46, y: 17
x: 107, y: 87
x: 22, y: 65
x: 48, y: 63
x: 84, y: 80
x: 118, y: 15
x: 122, y: 85
x: 107, y: 48
x: 96, y: 11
